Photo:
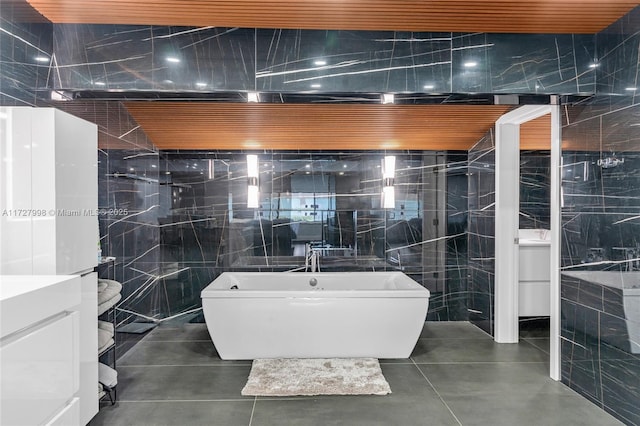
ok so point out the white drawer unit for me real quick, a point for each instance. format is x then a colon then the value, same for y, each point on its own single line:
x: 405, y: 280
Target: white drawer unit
x: 39, y: 350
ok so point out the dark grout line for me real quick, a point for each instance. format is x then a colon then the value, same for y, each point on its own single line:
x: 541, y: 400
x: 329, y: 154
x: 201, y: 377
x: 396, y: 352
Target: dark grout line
x: 253, y: 409
x: 221, y: 364
x: 455, y: 338
x: 476, y: 362
x: 175, y: 341
x: 536, y: 346
x: 437, y: 393
x: 134, y: 401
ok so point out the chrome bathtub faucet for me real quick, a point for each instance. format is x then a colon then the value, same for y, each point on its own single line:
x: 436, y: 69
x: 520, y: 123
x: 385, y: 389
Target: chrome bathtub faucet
x: 312, y: 259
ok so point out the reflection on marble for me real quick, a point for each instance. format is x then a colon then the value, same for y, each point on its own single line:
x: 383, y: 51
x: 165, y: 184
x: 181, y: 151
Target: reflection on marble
x: 618, y: 57
x: 153, y: 58
x: 185, y: 221
x: 210, y: 59
x: 601, y: 243
x: 353, y: 61
x: 26, y: 48
x: 481, y: 233
x: 600, y: 332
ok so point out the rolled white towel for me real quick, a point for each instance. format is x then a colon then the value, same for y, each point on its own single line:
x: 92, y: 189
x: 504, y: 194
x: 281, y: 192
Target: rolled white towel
x: 105, y: 306
x: 105, y: 293
x: 107, y: 375
x: 105, y: 325
x: 105, y: 338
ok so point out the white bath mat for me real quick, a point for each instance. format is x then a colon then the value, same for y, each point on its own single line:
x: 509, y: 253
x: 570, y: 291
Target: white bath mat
x: 320, y: 376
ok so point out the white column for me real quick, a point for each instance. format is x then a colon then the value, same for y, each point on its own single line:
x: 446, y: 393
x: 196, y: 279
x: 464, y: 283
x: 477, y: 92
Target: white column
x: 506, y: 239
x: 556, y: 230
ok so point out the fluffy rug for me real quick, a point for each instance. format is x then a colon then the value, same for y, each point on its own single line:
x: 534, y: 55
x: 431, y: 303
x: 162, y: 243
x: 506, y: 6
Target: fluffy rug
x: 324, y: 376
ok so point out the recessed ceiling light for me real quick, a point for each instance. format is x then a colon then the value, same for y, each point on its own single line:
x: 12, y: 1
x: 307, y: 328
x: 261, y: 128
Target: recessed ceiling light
x: 630, y: 89
x: 307, y: 165
x: 41, y: 59
x: 470, y: 64
x: 154, y: 166
x: 594, y: 65
x: 253, y: 97
x: 341, y: 173
x: 168, y: 81
x: 99, y: 83
x: 172, y: 59
x: 344, y: 166
x: 388, y: 98
x: 316, y: 86
x: 320, y: 62
x: 428, y: 86
x: 201, y: 84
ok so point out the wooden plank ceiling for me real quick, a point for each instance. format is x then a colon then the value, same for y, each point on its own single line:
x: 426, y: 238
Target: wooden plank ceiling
x: 209, y: 126
x: 497, y: 16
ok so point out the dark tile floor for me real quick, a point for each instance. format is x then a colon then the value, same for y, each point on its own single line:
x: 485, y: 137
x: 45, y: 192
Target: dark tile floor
x: 456, y: 375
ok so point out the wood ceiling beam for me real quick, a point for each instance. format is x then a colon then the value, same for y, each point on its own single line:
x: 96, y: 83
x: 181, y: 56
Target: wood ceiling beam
x: 494, y: 16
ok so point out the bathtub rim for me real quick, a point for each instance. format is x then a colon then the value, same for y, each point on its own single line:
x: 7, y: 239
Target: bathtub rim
x: 414, y: 290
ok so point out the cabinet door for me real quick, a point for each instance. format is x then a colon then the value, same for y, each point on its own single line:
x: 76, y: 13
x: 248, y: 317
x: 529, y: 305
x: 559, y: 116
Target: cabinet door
x: 39, y: 371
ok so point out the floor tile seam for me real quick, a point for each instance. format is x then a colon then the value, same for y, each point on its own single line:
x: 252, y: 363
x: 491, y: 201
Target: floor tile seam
x: 135, y: 401
x: 299, y: 397
x: 176, y: 341
x: 182, y: 365
x: 253, y: 409
x: 456, y: 338
x: 477, y: 362
x: 438, y: 394
x: 535, y: 346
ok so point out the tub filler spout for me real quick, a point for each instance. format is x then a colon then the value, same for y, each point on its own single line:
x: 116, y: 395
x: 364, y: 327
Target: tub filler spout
x: 311, y: 259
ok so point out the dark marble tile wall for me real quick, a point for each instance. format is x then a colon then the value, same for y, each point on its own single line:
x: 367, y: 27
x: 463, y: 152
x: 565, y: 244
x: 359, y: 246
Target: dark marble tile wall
x: 457, y: 270
x: 481, y: 234
x: 26, y: 46
x: 152, y: 58
x: 179, y: 219
x: 600, y: 339
x: 600, y: 231
x: 523, y: 63
x: 617, y: 72
x: 206, y: 228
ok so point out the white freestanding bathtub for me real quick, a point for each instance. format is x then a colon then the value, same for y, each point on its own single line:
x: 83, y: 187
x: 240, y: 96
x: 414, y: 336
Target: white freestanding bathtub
x: 345, y: 314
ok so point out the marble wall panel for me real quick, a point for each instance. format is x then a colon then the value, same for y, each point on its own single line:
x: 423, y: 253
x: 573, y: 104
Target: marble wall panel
x: 481, y: 232
x: 186, y: 222
x: 617, y: 72
x: 26, y: 48
x: 600, y: 234
x: 202, y: 60
x: 353, y: 61
x: 153, y: 58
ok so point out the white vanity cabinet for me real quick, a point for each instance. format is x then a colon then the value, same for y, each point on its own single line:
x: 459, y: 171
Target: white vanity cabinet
x: 49, y: 215
x: 39, y: 350
x: 534, y: 295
